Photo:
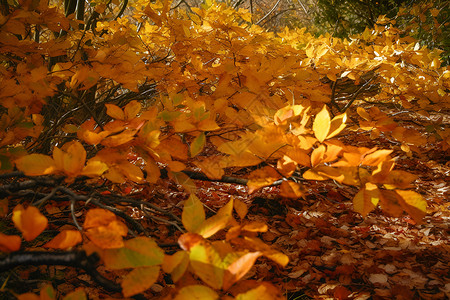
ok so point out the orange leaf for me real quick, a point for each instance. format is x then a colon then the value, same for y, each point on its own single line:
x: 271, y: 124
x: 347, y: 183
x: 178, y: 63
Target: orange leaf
x: 321, y: 124
x: 131, y: 109
x: 114, y: 112
x: 65, y: 239
x: 98, y: 217
x: 139, y: 280
x: 35, y: 164
x: 290, y: 189
x: 217, y: 222
x: 261, y: 178
x: 9, y: 243
x: 105, y: 238
x: 241, y: 208
x: 29, y: 221
x: 337, y: 125
x: 239, y: 268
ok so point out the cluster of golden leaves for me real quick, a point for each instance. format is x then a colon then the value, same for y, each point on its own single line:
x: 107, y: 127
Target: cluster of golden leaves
x: 262, y: 95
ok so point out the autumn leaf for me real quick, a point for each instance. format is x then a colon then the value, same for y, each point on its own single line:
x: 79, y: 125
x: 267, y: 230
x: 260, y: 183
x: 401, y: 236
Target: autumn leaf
x: 206, y: 263
x: 9, y: 243
x: 239, y: 268
x: 322, y: 124
x: 198, y: 144
x: 217, y: 222
x: 30, y: 221
x: 136, y: 252
x: 114, y: 112
x: 193, y: 214
x: 196, y: 292
x: 290, y: 189
x: 366, y: 199
x: 65, y: 239
x: 139, y: 280
x: 176, y: 264
x: 36, y: 164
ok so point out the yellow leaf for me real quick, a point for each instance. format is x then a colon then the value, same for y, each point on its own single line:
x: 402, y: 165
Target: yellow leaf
x: 94, y: 168
x: 193, y: 214
x: 414, y: 204
x: 321, y: 124
x: 9, y: 243
x: 139, y: 280
x: 114, y: 112
x: 65, y: 239
x: 366, y: 199
x: 131, y: 110
x: 132, y: 172
x: 206, y: 264
x: 337, y: 125
x: 176, y: 264
x: 217, y: 222
x: 30, y: 221
x: 36, y: 164
x: 191, y: 292
x: 212, y: 167
x: 317, y: 155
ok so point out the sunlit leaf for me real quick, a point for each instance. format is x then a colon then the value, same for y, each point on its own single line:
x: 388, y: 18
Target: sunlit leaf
x: 366, y: 199
x: 191, y: 292
x: 217, y: 222
x: 239, y: 268
x: 261, y: 178
x: 139, y: 280
x: 30, y: 221
x: 98, y: 217
x: 262, y: 291
x: 414, y: 204
x: 206, y: 263
x: 65, y: 239
x: 337, y: 125
x: 321, y: 124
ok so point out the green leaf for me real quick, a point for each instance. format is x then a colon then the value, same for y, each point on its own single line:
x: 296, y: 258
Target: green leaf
x: 198, y: 144
x: 137, y: 252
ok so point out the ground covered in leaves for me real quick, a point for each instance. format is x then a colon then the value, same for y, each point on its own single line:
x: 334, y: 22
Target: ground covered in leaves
x: 334, y: 253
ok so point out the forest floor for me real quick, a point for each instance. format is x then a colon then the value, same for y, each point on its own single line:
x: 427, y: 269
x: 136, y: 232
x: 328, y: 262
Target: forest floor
x: 334, y: 253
